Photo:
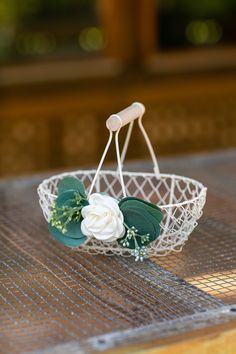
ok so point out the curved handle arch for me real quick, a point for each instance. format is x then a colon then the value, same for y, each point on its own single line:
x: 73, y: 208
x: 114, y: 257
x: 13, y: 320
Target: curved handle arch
x: 114, y: 123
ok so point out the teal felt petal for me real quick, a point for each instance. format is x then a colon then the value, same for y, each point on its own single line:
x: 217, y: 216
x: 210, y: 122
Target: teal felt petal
x: 140, y: 220
x: 144, y: 216
x: 66, y: 198
x: 71, y: 183
x: 67, y: 241
x: 136, y: 202
x: 155, y: 211
x: 150, y: 220
x: 74, y: 230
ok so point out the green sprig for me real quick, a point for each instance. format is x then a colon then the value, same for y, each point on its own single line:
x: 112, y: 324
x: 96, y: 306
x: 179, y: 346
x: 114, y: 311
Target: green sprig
x: 66, y: 217
x: 142, y: 222
x: 140, y: 252
x: 62, y: 216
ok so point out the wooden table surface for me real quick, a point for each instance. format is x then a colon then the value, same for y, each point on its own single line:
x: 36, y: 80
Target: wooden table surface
x: 55, y: 300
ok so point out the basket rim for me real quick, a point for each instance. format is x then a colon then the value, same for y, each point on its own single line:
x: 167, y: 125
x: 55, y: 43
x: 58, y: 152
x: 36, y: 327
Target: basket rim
x: 128, y: 173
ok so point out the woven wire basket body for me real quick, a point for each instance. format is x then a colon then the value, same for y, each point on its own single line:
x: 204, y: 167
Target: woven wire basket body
x: 181, y: 199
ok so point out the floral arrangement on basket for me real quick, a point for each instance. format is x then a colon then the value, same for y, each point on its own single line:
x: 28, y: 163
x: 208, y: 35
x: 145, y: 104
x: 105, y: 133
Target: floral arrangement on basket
x: 151, y: 214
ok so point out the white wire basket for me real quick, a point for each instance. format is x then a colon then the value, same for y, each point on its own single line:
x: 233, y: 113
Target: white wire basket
x: 180, y: 198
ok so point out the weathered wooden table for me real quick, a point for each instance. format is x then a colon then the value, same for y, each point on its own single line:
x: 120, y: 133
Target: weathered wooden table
x: 55, y: 300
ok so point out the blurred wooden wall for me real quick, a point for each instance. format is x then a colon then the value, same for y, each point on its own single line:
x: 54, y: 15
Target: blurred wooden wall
x: 53, y: 115
x: 64, y: 127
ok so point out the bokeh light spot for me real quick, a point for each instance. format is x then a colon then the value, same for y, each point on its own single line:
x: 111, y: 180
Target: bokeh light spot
x: 91, y: 39
x: 35, y: 44
x: 203, y: 32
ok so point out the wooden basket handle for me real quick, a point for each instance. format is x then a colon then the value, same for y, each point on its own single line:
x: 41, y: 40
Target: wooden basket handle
x: 127, y: 115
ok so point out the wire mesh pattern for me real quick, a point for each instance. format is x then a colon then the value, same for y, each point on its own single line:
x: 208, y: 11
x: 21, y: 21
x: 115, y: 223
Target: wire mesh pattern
x: 52, y: 296
x: 180, y: 198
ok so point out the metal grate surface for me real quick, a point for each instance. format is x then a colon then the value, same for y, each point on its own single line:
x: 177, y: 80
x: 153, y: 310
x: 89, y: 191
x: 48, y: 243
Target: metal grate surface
x: 52, y: 296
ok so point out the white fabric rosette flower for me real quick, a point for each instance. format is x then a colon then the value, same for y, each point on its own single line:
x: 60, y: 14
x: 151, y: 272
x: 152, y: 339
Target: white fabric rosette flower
x: 102, y: 218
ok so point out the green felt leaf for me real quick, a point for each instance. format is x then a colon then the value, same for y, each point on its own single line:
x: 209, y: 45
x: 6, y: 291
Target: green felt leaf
x: 65, y: 240
x: 66, y: 212
x: 71, y: 183
x: 144, y: 216
x: 74, y: 230
x: 66, y: 198
x: 136, y: 202
x: 141, y: 221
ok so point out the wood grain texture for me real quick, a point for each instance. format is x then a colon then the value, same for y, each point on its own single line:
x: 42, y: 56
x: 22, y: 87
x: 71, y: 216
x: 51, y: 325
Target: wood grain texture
x: 190, y: 97
x: 217, y: 340
x: 47, y: 127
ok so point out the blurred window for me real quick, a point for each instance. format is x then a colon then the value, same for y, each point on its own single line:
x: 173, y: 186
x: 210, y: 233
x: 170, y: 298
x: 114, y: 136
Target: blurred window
x: 194, y: 23
x: 44, y: 29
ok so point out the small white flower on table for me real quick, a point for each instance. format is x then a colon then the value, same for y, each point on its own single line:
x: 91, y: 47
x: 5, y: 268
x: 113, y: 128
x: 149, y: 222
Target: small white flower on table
x: 102, y: 218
